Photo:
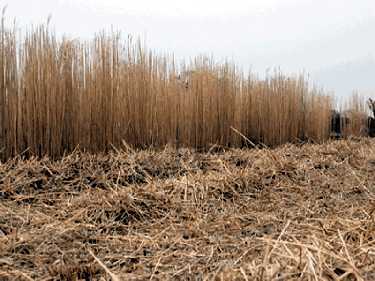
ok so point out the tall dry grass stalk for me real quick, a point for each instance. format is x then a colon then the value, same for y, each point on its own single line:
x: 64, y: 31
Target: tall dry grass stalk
x: 355, y: 116
x: 57, y: 94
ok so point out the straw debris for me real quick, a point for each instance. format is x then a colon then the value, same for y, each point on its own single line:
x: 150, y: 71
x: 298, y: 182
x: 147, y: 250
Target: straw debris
x: 291, y: 213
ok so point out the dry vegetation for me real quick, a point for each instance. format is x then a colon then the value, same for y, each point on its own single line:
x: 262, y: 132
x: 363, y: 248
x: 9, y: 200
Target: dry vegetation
x: 356, y: 112
x: 193, y: 211
x: 292, y: 213
x: 57, y: 94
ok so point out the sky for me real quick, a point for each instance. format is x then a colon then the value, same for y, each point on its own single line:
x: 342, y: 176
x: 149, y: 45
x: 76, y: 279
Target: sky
x: 331, y: 40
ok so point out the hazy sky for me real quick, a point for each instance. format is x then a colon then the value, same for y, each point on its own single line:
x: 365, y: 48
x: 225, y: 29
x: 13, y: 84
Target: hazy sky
x: 330, y: 39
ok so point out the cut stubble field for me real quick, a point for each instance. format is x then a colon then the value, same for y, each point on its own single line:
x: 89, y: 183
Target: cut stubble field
x: 291, y: 213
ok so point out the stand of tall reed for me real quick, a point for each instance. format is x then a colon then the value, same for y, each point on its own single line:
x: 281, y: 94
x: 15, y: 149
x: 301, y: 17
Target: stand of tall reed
x: 57, y: 94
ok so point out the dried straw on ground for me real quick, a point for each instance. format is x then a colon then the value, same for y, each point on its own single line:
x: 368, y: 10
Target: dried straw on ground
x: 293, y: 213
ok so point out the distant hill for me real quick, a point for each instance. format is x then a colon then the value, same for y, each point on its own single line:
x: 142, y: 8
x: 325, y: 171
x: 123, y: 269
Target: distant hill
x: 347, y: 77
